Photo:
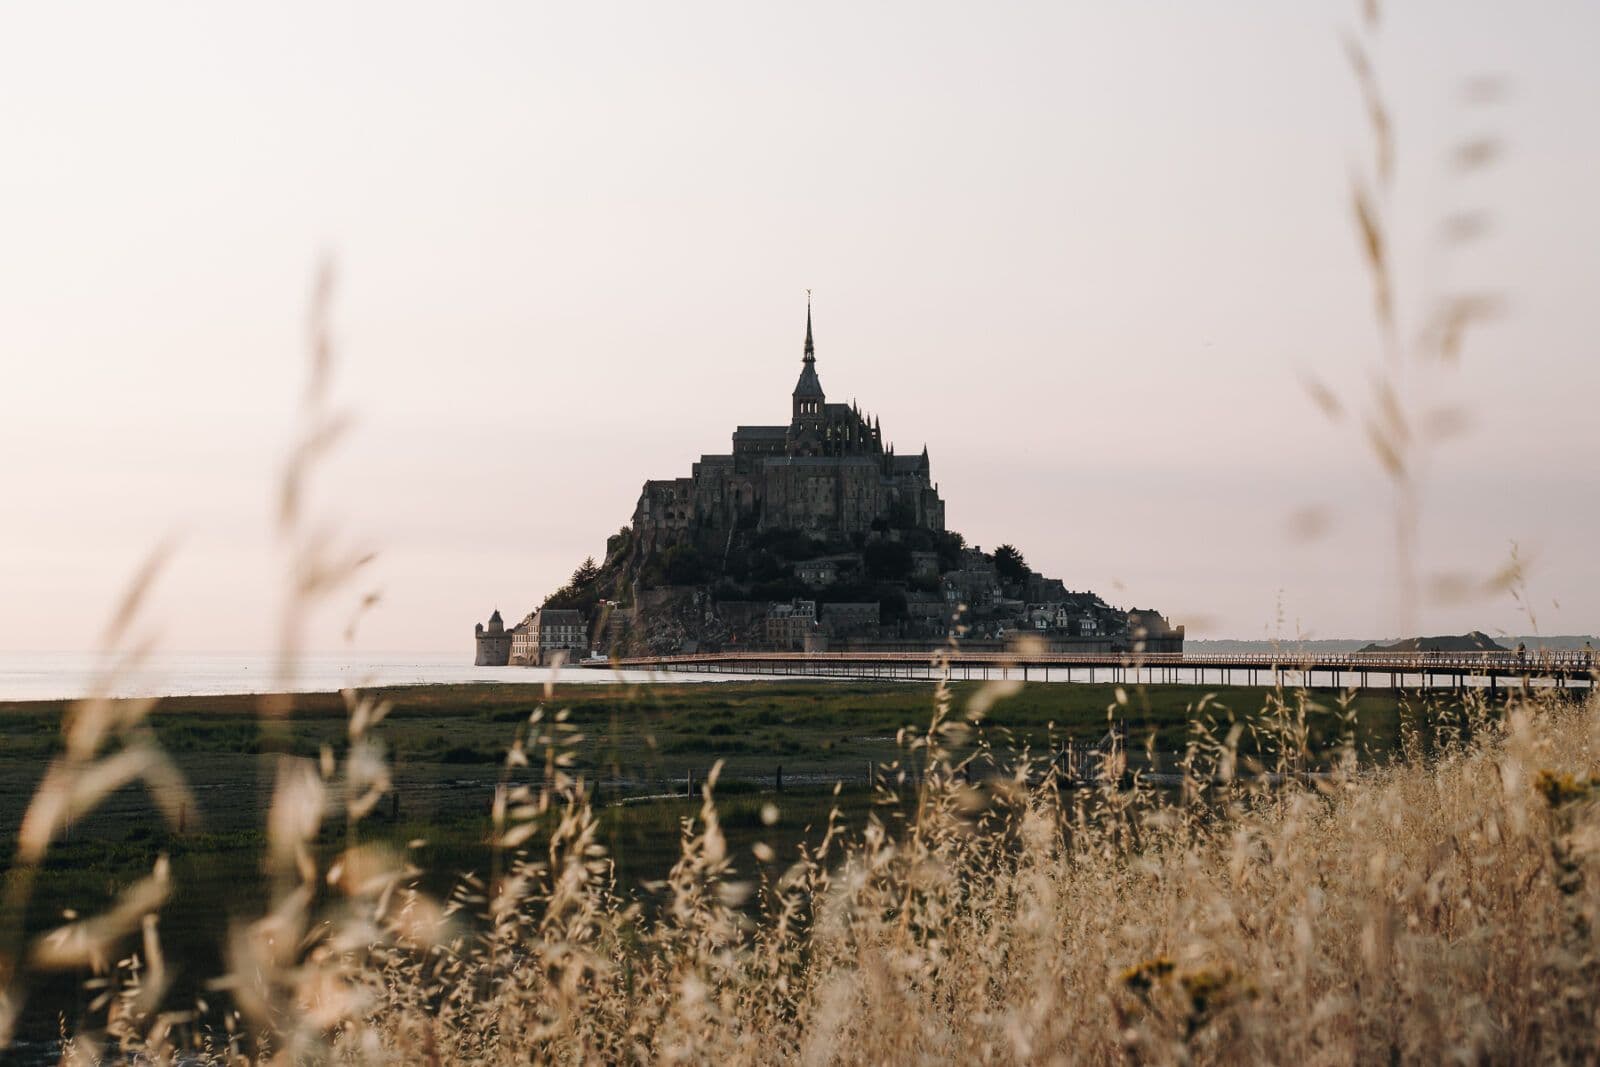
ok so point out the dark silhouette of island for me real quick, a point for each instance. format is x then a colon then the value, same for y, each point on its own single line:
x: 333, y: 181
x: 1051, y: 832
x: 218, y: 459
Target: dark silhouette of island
x: 1475, y: 641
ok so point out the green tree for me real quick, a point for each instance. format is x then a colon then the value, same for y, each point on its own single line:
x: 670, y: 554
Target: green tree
x: 684, y: 565
x: 887, y: 560
x: 586, y: 573
x: 1009, y: 564
x: 949, y: 545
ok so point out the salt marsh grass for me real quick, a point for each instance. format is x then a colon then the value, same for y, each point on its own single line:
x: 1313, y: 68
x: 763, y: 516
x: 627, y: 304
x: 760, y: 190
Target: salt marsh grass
x: 1439, y: 906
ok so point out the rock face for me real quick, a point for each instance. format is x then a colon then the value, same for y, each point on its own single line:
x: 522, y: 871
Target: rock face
x: 673, y: 619
x: 1476, y: 641
x: 816, y: 535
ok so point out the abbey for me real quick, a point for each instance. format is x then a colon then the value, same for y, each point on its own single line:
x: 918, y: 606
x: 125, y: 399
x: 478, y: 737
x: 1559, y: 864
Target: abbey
x: 827, y: 472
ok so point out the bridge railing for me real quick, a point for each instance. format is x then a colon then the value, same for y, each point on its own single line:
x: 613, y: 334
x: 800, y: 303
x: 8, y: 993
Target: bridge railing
x: 1540, y: 661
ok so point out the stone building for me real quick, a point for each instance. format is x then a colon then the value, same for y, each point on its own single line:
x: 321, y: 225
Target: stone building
x: 825, y: 570
x: 818, y: 571
x: 790, y: 627
x: 975, y: 583
x: 925, y: 606
x: 537, y: 639
x: 1150, y: 631
x: 494, y: 643
x: 851, y: 620
x: 827, y: 472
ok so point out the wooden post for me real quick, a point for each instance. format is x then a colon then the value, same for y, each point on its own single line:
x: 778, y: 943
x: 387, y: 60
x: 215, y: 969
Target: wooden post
x: 689, y: 789
x: 779, y: 778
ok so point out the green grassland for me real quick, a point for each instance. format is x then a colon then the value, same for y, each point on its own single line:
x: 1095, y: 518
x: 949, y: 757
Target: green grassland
x: 637, y: 745
x: 653, y: 734
x: 446, y: 744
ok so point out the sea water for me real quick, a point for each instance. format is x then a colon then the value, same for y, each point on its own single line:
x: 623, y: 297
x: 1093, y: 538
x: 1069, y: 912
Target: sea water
x: 71, y: 675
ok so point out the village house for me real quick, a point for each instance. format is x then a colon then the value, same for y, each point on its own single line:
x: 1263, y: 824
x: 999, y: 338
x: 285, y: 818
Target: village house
x: 788, y: 626
x: 825, y: 570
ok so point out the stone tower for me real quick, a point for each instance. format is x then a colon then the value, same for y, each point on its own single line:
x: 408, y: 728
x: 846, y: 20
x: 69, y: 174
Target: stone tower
x: 494, y: 643
x: 809, y: 401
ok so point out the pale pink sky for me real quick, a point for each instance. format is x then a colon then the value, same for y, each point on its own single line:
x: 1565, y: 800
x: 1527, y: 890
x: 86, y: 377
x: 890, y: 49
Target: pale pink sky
x: 1085, y: 252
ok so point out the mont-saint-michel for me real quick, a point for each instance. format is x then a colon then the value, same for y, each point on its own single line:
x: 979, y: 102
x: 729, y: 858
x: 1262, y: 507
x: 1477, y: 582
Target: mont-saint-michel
x: 810, y: 535
x: 327, y: 336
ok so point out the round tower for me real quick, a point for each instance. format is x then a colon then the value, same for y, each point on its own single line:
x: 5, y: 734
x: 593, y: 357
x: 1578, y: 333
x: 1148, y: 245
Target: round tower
x: 493, y: 643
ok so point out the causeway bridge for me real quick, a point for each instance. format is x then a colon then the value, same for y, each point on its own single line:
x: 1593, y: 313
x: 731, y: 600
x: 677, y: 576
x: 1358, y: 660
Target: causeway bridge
x: 1393, y: 670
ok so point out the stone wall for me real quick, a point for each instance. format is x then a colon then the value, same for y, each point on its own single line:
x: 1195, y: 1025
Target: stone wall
x: 494, y: 650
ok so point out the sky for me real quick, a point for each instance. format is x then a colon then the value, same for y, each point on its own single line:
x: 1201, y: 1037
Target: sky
x: 1089, y: 254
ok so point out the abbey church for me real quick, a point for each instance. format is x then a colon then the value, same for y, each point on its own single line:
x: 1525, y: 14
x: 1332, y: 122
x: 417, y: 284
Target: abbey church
x: 827, y: 472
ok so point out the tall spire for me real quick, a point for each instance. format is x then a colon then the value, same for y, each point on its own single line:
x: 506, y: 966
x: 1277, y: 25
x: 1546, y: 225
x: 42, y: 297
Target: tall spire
x: 811, y: 351
x: 808, y: 397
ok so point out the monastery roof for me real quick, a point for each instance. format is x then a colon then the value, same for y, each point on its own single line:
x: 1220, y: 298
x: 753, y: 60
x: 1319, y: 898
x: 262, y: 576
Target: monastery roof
x: 559, y: 617
x: 761, y: 431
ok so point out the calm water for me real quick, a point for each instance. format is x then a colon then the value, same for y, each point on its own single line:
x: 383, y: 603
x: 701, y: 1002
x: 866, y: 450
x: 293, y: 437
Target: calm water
x: 68, y: 675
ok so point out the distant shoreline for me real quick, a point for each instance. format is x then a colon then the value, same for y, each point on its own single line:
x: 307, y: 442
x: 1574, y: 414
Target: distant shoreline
x: 1555, y: 643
